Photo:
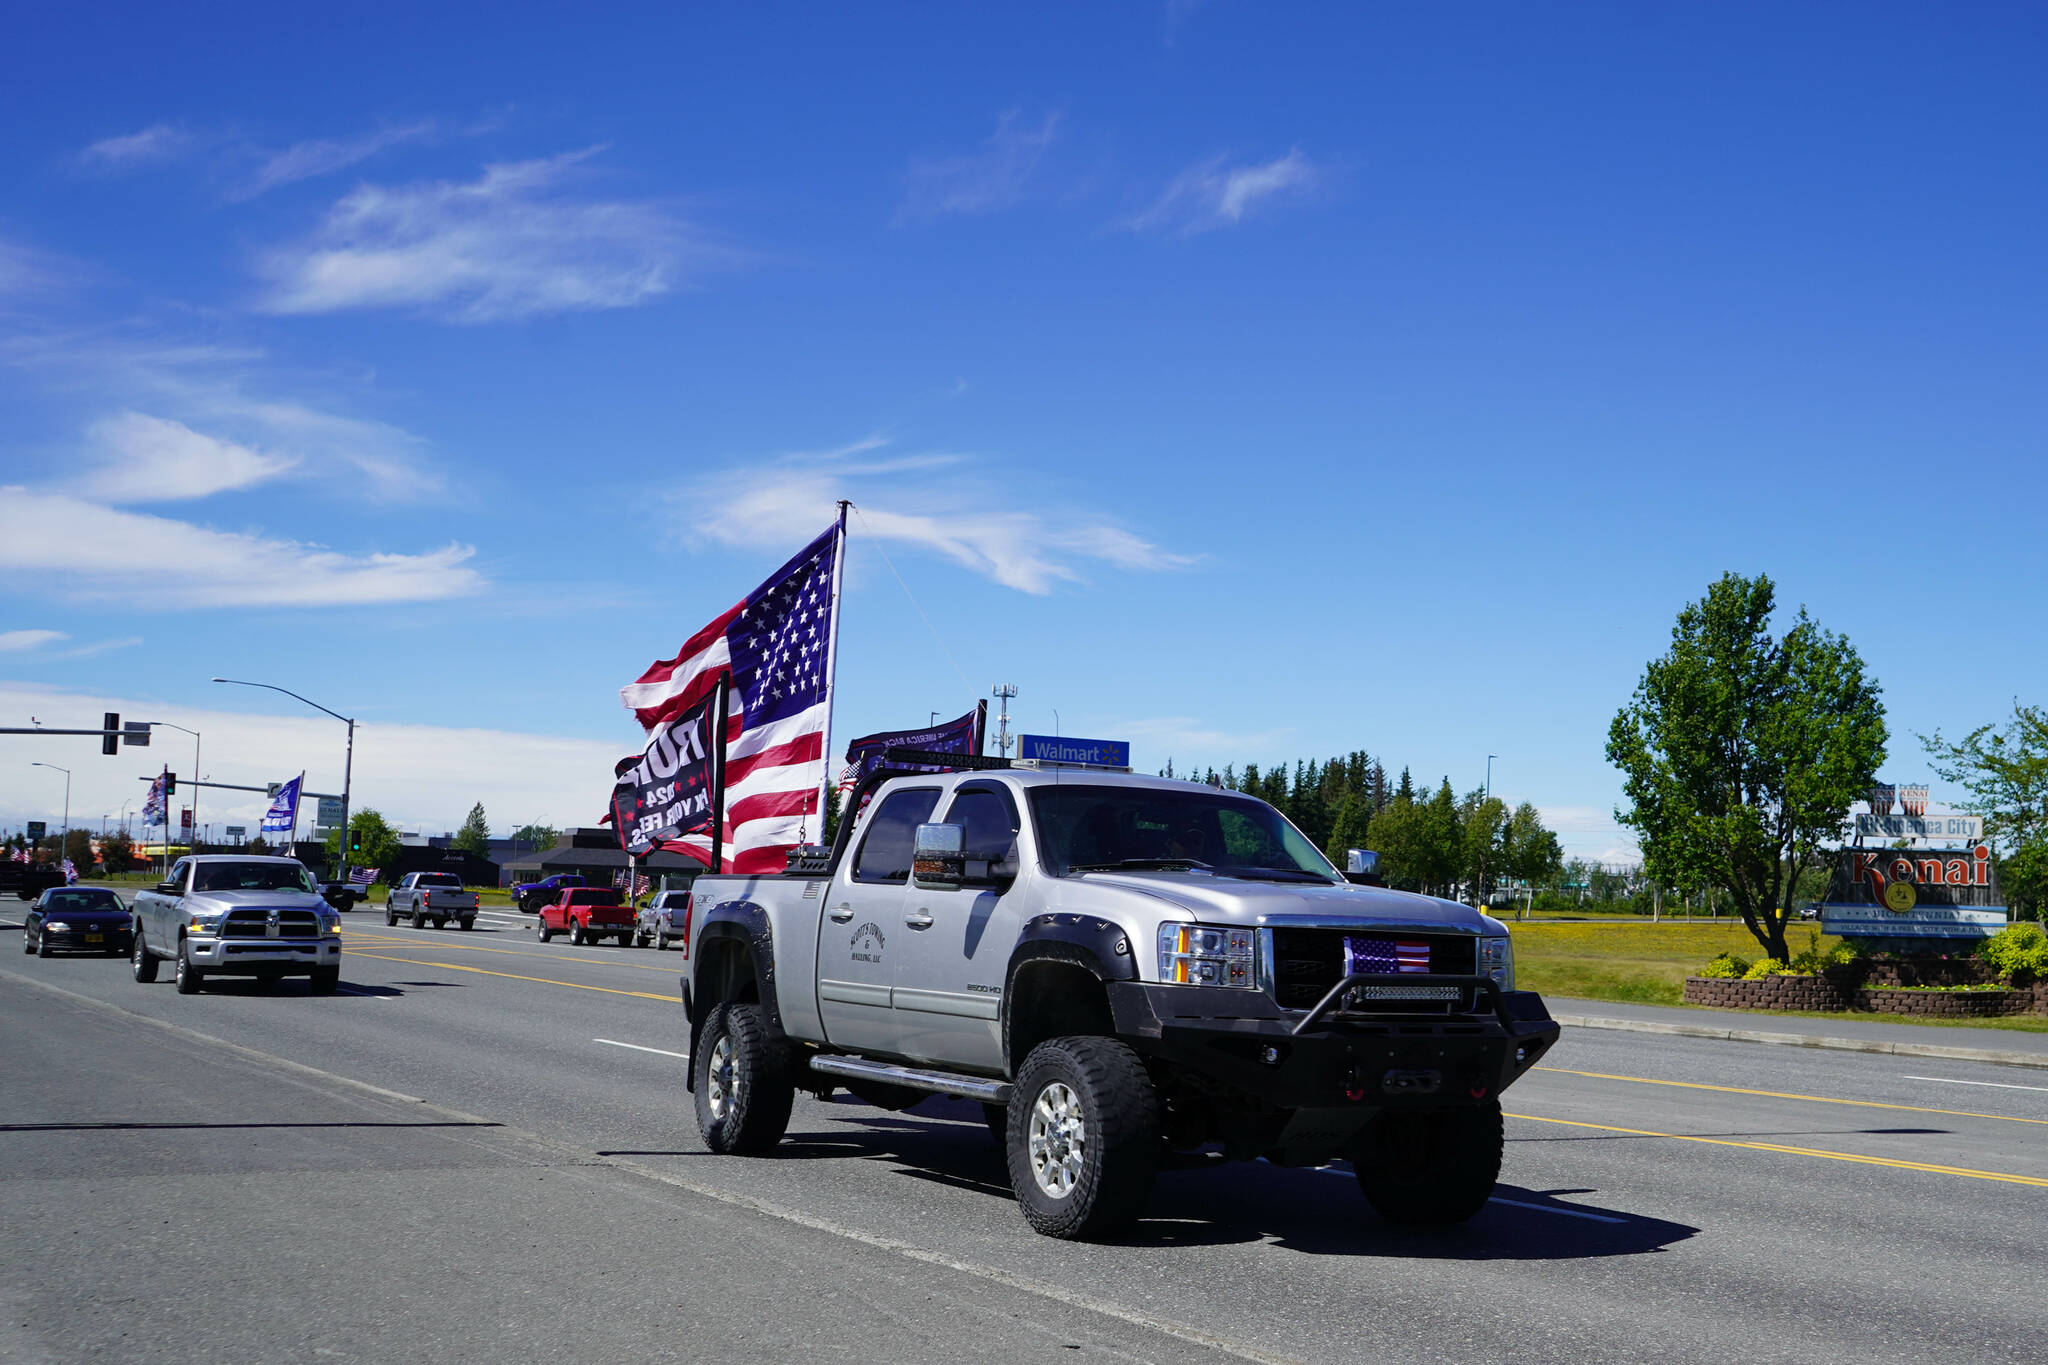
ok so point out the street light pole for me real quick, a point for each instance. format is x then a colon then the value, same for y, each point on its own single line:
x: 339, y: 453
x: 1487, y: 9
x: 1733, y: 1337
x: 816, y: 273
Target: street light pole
x: 1489, y: 775
x: 65, y: 837
x: 348, y: 762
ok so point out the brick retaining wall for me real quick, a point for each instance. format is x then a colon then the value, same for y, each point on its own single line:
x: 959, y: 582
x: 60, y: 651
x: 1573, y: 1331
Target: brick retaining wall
x: 1831, y: 992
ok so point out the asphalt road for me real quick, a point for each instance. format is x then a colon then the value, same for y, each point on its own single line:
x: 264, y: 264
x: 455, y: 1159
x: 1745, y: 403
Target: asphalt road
x: 545, y: 1195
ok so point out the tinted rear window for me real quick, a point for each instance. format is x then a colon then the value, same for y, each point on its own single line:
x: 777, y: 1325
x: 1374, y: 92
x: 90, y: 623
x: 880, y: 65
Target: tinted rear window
x: 447, y: 879
x: 594, y: 896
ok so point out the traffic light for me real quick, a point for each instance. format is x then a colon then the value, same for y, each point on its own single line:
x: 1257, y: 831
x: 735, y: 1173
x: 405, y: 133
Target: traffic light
x: 110, y: 741
x: 355, y: 841
x: 170, y: 782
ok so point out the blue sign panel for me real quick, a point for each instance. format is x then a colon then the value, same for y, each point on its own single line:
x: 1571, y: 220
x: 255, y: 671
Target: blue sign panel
x: 1102, y: 753
x: 1925, y: 920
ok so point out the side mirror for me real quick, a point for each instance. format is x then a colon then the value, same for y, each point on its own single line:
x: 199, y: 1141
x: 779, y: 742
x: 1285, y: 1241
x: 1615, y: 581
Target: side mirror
x: 167, y: 888
x: 938, y: 860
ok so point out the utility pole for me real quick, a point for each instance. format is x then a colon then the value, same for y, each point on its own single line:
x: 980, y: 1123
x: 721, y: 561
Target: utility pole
x: 64, y: 837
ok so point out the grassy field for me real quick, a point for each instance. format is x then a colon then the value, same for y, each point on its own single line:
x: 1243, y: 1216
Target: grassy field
x: 1634, y: 961
x: 1646, y: 964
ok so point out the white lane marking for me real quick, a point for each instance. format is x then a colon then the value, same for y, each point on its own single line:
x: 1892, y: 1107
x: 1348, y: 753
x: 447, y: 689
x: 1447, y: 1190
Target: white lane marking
x: 1996, y: 1085
x: 637, y: 1048
x: 1549, y: 1208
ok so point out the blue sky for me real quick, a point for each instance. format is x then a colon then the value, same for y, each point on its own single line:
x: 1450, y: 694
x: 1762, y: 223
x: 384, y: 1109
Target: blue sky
x: 1248, y: 383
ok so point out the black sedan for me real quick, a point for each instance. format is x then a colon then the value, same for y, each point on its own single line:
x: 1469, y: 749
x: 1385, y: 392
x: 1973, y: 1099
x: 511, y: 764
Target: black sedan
x: 87, y: 918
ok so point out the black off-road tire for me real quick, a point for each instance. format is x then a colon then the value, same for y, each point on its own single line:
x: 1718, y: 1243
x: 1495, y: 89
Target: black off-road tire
x: 390, y: 916
x: 576, y: 934
x: 419, y: 919
x: 1430, y: 1167
x: 746, y: 1109
x: 142, y: 960
x: 467, y: 922
x: 324, y: 980
x: 188, y: 977
x: 1119, y: 1147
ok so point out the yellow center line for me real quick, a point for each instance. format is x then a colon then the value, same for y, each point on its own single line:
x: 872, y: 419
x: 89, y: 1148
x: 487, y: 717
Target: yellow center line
x: 398, y: 941
x: 1786, y: 1095
x: 513, y: 976
x: 1893, y: 1162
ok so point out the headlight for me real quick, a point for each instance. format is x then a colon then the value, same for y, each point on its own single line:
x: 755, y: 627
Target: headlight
x: 58, y: 926
x: 1497, y: 960
x: 334, y: 926
x: 1200, y: 955
x: 201, y: 925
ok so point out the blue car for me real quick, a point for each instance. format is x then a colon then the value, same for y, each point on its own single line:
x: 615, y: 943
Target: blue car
x: 78, y: 918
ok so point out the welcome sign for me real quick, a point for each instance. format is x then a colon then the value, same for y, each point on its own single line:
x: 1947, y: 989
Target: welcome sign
x: 1898, y: 893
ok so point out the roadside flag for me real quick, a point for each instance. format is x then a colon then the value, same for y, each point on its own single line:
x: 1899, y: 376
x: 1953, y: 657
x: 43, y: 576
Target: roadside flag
x: 283, y: 815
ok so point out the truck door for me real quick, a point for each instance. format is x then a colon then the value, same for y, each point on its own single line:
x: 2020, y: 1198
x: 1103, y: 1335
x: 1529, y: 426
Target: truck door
x: 862, y: 929
x: 161, y: 923
x: 949, y: 977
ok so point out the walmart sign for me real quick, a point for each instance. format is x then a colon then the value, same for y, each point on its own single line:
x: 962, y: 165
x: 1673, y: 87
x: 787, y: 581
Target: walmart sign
x: 1100, y: 753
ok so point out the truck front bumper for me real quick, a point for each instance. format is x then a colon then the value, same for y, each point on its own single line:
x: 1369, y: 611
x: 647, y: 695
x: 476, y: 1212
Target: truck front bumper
x: 1239, y: 1041
x: 254, y: 956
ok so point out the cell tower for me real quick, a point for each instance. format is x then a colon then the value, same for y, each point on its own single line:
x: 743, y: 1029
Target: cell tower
x: 1004, y: 691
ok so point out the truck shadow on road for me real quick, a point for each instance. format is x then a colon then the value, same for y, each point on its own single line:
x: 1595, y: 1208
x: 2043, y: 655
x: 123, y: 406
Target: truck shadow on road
x: 1202, y: 1201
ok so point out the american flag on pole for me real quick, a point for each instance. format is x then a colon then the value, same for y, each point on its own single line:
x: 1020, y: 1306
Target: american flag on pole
x: 362, y: 876
x: 775, y: 645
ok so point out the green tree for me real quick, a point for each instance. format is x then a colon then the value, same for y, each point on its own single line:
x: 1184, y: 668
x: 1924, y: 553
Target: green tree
x: 540, y: 836
x: 475, y: 834
x: 78, y: 848
x: 1740, y: 752
x: 1530, y: 852
x: 1396, y: 832
x: 117, y: 852
x: 1353, y: 829
x: 380, y: 846
x: 1483, y: 823
x: 2005, y: 773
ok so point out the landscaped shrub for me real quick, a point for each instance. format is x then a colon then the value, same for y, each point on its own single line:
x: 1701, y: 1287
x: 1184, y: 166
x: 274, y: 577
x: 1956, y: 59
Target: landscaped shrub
x: 1726, y: 967
x: 2020, y: 951
x: 1769, y: 966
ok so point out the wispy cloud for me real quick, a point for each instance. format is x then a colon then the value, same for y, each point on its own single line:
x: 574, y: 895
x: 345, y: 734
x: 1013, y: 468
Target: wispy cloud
x: 159, y: 142
x: 89, y: 550
x: 324, y: 156
x: 992, y: 177
x: 1216, y: 194
x: 513, y: 243
x: 21, y: 641
x: 154, y: 459
x: 218, y: 394
x: 933, y: 502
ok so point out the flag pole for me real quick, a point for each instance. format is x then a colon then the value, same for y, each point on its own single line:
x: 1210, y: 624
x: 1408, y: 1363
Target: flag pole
x: 980, y: 724
x: 831, y: 660
x: 718, y: 705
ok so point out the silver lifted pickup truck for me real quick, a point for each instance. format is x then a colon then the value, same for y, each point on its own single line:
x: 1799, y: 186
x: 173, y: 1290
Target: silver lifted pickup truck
x: 229, y: 915
x: 1115, y: 966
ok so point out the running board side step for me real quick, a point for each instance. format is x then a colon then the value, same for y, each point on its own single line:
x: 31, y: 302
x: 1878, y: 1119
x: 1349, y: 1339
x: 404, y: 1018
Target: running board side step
x: 915, y: 1078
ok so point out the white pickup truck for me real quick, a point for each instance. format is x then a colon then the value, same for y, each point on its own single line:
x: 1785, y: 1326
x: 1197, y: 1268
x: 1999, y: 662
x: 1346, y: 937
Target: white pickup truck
x: 430, y: 898
x: 1114, y: 966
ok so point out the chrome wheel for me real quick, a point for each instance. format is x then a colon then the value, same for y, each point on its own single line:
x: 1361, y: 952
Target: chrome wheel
x: 1058, y: 1143
x: 725, y: 1080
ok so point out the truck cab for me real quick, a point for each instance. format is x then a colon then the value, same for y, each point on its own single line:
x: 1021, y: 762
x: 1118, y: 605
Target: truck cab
x: 1091, y: 952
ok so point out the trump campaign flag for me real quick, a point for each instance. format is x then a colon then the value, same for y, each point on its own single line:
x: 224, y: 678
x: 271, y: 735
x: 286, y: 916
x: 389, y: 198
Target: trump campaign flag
x: 671, y: 790
x: 283, y: 815
x: 962, y: 736
x: 774, y: 648
x: 155, y: 809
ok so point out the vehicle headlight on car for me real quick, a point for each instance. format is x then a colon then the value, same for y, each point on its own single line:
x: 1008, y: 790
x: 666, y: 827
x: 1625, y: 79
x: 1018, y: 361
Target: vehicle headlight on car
x: 1497, y: 960
x: 58, y: 926
x: 204, y: 924
x: 1205, y: 955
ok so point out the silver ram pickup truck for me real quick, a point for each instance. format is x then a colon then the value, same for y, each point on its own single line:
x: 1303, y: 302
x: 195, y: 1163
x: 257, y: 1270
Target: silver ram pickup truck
x: 228, y: 915
x: 1116, y: 967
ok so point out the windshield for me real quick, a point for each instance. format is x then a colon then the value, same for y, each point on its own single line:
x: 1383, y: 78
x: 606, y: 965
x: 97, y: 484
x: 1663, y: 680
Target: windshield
x: 78, y: 902
x: 1085, y: 828
x: 278, y: 876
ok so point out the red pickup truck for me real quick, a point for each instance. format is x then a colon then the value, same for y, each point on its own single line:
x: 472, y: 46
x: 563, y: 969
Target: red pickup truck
x: 587, y: 914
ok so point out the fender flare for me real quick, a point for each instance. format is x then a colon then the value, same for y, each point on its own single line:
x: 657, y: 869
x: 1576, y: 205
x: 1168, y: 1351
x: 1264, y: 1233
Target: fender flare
x: 1081, y: 940
x: 730, y: 921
